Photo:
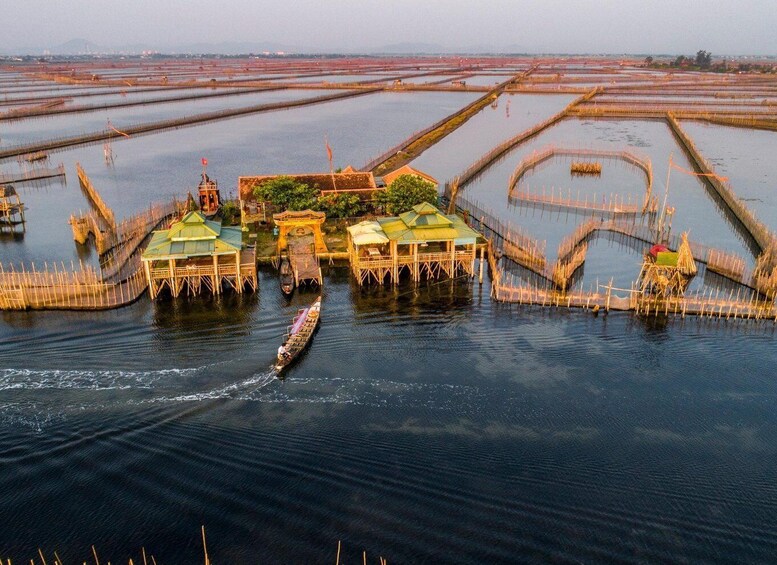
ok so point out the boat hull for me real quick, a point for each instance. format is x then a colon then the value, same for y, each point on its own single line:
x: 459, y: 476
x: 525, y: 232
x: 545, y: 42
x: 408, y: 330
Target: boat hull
x: 298, y: 341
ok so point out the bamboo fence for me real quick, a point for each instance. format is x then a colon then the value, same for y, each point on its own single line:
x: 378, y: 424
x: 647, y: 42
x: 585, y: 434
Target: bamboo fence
x: 761, y: 234
x: 95, y: 199
x: 55, y: 287
x: 41, y: 173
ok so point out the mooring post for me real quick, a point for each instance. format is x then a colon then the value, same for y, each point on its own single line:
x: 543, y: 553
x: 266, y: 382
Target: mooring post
x: 482, y: 256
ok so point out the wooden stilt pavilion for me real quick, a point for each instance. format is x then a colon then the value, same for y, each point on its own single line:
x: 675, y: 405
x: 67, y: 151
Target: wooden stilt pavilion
x: 423, y: 241
x: 196, y: 254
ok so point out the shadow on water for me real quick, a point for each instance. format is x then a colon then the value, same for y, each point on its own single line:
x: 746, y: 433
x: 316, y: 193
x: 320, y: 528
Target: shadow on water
x: 219, y: 315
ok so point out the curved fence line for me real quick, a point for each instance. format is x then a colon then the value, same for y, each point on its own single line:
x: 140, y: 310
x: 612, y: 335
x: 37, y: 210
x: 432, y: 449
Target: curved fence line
x: 539, y: 157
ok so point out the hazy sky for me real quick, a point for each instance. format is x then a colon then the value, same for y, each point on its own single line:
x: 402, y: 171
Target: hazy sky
x: 611, y: 26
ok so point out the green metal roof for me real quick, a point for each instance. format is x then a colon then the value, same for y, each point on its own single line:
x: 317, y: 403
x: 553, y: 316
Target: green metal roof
x: 424, y: 215
x: 193, y: 236
x: 194, y: 226
x: 425, y: 223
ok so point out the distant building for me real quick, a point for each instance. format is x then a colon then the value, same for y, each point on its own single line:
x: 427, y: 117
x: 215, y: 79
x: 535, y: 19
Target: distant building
x: 388, y: 178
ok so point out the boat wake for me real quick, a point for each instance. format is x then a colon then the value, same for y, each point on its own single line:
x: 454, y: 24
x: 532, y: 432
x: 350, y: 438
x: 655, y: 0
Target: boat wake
x: 241, y: 390
x: 32, y: 379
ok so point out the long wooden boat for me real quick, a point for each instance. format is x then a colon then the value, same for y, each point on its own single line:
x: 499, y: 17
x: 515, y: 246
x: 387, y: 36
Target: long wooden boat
x: 299, y: 335
x: 287, y: 276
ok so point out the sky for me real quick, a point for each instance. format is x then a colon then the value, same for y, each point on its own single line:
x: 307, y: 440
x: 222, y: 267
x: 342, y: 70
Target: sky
x: 535, y: 26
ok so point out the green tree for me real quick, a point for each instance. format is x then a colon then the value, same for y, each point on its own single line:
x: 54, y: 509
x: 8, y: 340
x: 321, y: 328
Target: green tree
x: 405, y: 192
x: 340, y: 205
x: 649, y: 60
x: 286, y: 193
x: 703, y: 58
x: 229, y: 211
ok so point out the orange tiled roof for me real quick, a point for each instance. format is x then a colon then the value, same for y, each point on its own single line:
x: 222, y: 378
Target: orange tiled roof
x: 408, y: 170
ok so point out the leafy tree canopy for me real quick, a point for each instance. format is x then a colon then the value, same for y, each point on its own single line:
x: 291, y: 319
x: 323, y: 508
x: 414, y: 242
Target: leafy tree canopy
x: 286, y: 193
x: 340, y: 205
x: 405, y: 192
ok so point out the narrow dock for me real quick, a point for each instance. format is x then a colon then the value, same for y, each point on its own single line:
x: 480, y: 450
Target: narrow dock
x: 304, y: 262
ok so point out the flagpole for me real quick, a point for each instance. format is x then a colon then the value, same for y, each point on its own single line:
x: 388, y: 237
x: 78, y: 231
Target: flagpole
x: 331, y: 167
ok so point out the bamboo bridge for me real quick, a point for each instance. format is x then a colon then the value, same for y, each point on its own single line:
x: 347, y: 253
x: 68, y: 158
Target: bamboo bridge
x: 744, y: 302
x: 119, y: 281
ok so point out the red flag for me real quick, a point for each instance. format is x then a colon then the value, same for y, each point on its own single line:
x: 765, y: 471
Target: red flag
x: 328, y: 150
x: 204, y: 162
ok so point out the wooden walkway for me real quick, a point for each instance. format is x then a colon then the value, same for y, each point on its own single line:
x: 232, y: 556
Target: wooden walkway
x: 708, y: 304
x: 304, y: 261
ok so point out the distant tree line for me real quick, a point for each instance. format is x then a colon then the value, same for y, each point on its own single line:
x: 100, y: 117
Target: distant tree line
x: 702, y: 61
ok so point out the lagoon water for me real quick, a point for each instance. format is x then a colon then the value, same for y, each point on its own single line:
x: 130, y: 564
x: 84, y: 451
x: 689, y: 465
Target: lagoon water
x: 424, y: 424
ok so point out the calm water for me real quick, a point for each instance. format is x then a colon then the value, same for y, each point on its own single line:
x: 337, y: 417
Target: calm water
x: 424, y: 424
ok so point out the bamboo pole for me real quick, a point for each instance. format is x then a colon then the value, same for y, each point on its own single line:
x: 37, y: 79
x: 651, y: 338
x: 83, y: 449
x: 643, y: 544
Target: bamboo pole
x: 205, y: 547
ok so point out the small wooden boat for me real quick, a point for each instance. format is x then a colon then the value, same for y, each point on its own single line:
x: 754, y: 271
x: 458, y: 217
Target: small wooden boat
x: 287, y: 276
x: 299, y: 335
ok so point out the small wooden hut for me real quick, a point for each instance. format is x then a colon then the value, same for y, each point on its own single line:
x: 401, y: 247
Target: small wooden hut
x: 196, y: 254
x: 667, y: 273
x: 11, y: 207
x: 423, y: 242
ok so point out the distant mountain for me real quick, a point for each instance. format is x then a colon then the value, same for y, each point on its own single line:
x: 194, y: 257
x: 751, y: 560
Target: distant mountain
x: 74, y: 47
